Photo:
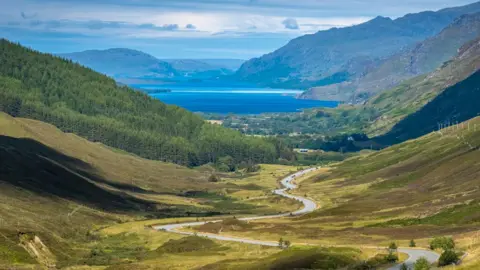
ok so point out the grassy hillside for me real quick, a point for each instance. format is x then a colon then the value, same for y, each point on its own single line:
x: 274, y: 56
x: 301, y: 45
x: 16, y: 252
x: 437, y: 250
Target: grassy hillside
x: 415, y: 190
x: 63, y: 188
x: 410, y: 96
x: 76, y: 99
x: 454, y: 105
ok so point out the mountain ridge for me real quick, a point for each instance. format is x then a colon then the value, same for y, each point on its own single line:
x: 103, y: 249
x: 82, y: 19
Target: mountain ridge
x: 125, y: 64
x: 308, y: 59
x: 422, y: 58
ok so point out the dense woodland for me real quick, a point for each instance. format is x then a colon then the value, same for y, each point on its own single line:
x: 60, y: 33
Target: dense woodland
x: 81, y: 101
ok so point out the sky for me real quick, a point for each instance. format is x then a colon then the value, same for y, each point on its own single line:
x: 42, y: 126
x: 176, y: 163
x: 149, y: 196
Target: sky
x: 239, y: 29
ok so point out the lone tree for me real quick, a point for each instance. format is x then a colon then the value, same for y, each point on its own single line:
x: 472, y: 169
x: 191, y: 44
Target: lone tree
x: 287, y: 243
x: 412, y: 243
x: 421, y: 264
x: 391, y: 257
x: 213, y: 178
x: 393, y: 246
x: 280, y: 243
x: 448, y: 257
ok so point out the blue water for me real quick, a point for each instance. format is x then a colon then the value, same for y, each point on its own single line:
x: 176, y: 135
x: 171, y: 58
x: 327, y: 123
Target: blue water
x: 225, y: 100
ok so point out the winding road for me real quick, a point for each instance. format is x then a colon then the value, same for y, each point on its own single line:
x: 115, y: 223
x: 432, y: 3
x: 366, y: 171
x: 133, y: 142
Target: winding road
x: 308, y: 206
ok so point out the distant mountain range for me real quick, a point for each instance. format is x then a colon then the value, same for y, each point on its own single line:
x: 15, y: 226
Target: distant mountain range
x: 205, y: 64
x: 126, y: 65
x: 422, y: 58
x: 346, y: 54
x: 413, y: 108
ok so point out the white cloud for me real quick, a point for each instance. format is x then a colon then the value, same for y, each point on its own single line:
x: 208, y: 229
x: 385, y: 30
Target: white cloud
x: 291, y: 23
x: 100, y: 17
x: 203, y: 18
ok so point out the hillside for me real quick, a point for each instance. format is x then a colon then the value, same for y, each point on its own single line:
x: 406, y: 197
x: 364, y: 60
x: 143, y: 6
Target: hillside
x: 454, y: 105
x: 418, y: 189
x: 63, y: 189
x: 423, y: 58
x: 59, y: 187
x: 125, y: 65
x: 81, y: 101
x: 410, y: 96
x: 379, y: 114
x: 336, y: 55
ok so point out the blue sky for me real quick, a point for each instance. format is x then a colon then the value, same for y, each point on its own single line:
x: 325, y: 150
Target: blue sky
x: 239, y: 29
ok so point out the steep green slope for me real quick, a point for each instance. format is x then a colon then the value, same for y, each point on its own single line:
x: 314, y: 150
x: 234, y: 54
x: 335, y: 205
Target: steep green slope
x: 414, y: 190
x: 78, y: 100
x: 395, y: 104
x: 63, y: 189
x: 454, y: 105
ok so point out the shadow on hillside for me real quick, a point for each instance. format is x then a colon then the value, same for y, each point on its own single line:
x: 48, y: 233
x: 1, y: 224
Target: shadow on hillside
x: 30, y: 165
x: 456, y: 104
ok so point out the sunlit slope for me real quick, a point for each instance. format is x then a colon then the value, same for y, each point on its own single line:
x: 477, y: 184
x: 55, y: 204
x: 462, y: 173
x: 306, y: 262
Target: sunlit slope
x: 108, y: 163
x: 428, y: 186
x: 414, y: 190
x: 62, y: 188
x: 59, y: 187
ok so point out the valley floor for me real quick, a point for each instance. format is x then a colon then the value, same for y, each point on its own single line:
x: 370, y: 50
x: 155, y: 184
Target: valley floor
x: 60, y: 195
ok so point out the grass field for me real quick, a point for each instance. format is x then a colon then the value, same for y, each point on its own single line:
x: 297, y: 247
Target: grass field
x: 60, y: 188
x: 416, y: 190
x: 63, y: 189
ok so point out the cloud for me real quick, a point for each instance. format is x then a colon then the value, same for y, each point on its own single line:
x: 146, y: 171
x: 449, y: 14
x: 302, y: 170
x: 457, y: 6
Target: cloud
x: 190, y: 26
x: 165, y: 27
x: 97, y: 25
x: 168, y: 27
x: 94, y: 25
x: 290, y: 23
x: 28, y: 16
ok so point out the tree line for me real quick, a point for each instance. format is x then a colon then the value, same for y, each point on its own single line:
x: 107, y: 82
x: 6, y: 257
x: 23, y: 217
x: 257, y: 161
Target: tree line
x: 78, y: 100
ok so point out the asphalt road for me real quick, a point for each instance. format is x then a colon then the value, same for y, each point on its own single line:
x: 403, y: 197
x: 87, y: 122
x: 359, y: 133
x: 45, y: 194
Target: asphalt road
x: 308, y: 206
x: 414, y: 255
x: 287, y: 182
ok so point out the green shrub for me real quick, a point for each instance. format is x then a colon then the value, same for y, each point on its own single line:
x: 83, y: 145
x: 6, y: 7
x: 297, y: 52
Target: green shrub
x: 253, y: 168
x: 445, y: 243
x: 422, y: 264
x: 391, y: 257
x: 189, y: 244
x: 412, y: 243
x: 213, y: 178
x: 448, y: 257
